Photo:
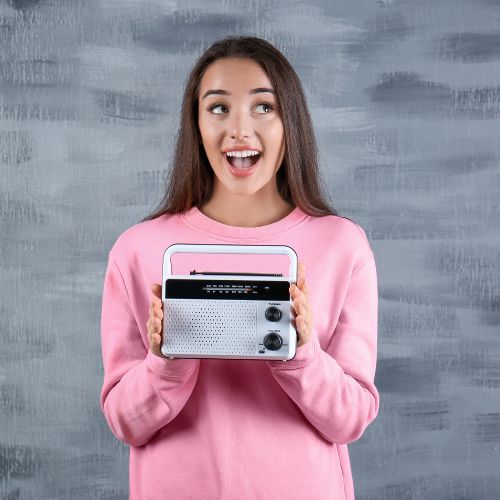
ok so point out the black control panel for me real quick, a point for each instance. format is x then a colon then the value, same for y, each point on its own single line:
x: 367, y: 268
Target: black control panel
x: 178, y: 288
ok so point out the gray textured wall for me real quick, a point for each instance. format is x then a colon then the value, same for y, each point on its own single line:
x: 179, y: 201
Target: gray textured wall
x: 405, y: 97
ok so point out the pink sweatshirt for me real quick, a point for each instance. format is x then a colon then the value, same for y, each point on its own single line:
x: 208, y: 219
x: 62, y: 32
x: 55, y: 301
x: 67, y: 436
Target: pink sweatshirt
x: 217, y: 429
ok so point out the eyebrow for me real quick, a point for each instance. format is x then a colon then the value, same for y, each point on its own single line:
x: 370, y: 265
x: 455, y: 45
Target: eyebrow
x: 258, y: 90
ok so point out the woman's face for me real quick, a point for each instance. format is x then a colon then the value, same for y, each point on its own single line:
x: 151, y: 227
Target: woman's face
x: 237, y: 117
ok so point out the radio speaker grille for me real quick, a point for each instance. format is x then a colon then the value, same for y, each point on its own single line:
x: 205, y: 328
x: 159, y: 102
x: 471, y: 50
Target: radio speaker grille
x: 231, y: 323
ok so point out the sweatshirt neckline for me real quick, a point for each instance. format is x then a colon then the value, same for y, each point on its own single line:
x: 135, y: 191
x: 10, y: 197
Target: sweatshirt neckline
x: 197, y: 219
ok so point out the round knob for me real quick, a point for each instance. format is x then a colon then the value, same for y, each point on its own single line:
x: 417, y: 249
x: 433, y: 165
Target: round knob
x: 273, y: 314
x: 273, y: 341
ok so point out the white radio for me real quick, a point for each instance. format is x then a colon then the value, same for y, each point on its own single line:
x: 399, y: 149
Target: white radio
x: 228, y: 315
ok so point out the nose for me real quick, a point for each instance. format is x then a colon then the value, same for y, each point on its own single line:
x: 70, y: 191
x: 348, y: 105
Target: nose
x: 239, y: 124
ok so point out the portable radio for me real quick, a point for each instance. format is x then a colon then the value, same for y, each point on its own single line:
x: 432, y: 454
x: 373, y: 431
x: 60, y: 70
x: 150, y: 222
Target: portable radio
x: 226, y: 314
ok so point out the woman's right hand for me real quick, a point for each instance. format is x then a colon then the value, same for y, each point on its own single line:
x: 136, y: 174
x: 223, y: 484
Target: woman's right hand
x: 155, y: 321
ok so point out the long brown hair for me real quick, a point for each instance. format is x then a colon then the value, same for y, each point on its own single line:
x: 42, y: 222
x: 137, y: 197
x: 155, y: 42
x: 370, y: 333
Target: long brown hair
x: 190, y: 178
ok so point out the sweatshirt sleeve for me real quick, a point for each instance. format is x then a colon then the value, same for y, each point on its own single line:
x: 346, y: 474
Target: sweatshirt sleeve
x: 141, y: 392
x: 335, y: 388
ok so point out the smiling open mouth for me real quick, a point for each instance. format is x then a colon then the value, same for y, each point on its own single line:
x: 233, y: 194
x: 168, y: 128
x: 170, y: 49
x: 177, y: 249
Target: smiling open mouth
x: 243, y: 163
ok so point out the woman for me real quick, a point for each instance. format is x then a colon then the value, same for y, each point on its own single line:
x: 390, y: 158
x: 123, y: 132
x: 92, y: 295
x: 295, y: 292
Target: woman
x: 245, y: 171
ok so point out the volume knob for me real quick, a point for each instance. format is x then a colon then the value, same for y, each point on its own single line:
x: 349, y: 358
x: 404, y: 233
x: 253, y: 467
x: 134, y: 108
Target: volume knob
x: 273, y: 341
x: 273, y: 314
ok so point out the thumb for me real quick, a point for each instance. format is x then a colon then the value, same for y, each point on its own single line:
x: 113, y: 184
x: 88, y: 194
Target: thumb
x: 156, y: 289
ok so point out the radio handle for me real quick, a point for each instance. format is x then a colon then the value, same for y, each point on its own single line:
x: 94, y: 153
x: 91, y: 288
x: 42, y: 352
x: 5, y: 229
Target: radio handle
x: 229, y: 248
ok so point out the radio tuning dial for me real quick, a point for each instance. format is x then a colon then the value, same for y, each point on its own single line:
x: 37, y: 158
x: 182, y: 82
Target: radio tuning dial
x: 273, y: 314
x: 273, y: 341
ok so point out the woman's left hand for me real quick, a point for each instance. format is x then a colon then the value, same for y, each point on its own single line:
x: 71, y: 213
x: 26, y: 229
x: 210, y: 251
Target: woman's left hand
x: 303, y: 311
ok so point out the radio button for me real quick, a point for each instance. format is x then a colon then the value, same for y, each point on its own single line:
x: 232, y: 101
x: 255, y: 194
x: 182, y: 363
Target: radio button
x: 273, y: 314
x: 273, y: 341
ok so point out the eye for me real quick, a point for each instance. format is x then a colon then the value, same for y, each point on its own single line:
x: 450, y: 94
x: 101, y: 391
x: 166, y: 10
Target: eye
x: 211, y: 108
x: 267, y: 105
x: 214, y: 106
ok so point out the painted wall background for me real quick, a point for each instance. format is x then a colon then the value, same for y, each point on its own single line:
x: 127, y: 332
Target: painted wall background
x: 405, y: 98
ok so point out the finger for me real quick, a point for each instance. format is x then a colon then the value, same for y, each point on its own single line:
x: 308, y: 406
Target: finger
x: 156, y: 289
x: 298, y: 284
x: 158, y: 312
x: 301, y: 275
x: 298, y: 305
x: 155, y: 302
x: 153, y: 339
x: 157, y: 325
x: 303, y: 307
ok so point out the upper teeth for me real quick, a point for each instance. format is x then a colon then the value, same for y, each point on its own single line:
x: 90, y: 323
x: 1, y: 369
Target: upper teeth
x: 241, y: 154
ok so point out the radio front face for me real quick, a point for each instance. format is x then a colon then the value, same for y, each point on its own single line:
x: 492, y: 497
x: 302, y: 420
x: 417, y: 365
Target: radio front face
x: 228, y: 318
